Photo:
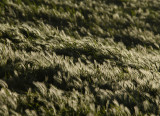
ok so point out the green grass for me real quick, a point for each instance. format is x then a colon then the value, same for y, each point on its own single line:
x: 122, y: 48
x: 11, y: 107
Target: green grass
x: 79, y: 58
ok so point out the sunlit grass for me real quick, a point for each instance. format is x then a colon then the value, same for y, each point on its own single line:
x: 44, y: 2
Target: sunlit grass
x: 79, y: 57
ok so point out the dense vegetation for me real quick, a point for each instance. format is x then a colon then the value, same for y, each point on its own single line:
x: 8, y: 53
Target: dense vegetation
x: 79, y: 57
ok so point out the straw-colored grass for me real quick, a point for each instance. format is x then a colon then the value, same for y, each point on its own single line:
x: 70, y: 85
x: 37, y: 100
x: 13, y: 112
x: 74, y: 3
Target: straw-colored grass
x: 79, y: 57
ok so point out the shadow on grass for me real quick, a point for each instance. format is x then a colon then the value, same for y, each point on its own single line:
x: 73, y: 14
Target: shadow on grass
x: 91, y: 53
x: 21, y: 79
x: 131, y: 42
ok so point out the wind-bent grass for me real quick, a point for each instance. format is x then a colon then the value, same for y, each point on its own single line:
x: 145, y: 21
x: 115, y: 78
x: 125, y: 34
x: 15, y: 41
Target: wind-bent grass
x: 79, y: 57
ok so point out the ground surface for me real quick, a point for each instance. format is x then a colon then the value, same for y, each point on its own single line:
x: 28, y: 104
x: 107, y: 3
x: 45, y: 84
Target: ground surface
x: 79, y: 57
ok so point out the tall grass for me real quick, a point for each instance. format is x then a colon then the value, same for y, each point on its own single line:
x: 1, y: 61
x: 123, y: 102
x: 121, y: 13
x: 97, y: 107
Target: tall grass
x: 81, y: 57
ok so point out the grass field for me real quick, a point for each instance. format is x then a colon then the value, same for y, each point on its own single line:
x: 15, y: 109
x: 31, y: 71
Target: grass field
x: 79, y: 57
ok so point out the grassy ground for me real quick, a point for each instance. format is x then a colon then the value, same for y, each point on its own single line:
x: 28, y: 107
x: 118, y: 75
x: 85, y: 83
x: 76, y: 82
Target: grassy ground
x: 79, y: 57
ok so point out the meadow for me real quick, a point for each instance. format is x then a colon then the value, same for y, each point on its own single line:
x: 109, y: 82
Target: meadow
x: 79, y: 57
